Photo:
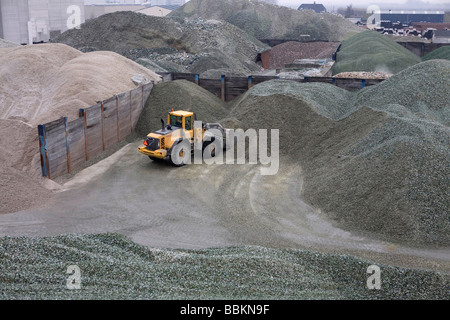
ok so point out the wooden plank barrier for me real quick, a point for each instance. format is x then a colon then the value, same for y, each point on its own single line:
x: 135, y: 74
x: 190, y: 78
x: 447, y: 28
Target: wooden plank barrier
x: 66, y: 145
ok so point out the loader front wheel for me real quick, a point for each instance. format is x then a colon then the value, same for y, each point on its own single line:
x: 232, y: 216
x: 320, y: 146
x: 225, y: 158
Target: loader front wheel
x: 180, y: 154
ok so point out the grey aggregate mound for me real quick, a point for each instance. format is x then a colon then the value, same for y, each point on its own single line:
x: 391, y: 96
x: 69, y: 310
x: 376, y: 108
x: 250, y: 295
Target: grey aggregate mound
x: 179, y: 95
x: 375, y: 161
x: 370, y: 51
x: 113, y: 267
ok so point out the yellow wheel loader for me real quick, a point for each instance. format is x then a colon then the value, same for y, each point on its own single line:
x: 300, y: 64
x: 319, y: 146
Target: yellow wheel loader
x: 176, y: 140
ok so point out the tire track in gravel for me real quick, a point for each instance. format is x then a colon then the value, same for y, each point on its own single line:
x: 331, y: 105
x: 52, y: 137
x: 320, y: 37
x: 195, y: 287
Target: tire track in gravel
x: 199, y: 206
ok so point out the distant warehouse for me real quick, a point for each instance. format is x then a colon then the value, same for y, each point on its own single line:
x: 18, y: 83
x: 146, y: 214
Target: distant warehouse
x: 31, y: 21
x: 410, y: 17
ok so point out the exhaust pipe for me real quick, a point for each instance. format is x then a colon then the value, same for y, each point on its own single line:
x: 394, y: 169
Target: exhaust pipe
x: 162, y: 123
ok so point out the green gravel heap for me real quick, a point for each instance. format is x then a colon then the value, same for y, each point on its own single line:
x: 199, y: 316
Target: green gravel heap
x: 372, y: 52
x: 113, y: 267
x: 375, y: 160
x: 440, y: 53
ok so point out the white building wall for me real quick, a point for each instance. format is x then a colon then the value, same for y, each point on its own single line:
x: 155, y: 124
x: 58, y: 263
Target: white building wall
x: 1, y: 24
x: 39, y: 21
x: 26, y: 21
x: 14, y: 20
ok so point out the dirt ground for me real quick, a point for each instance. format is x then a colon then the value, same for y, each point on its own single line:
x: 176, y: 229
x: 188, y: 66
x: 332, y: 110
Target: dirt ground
x: 202, y: 206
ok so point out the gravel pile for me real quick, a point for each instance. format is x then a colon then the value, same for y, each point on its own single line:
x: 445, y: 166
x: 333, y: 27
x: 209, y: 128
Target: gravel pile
x: 43, y: 83
x: 265, y: 21
x: 179, y: 95
x: 441, y: 53
x: 288, y: 52
x: 113, y: 267
x: 195, y: 46
x: 375, y: 160
x: 372, y: 52
x: 422, y: 89
x: 7, y: 44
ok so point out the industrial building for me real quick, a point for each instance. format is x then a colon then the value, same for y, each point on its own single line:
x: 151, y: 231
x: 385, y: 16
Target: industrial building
x: 410, y: 17
x: 33, y: 21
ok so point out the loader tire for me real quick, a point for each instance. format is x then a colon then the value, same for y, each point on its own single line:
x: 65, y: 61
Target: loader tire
x: 180, y: 154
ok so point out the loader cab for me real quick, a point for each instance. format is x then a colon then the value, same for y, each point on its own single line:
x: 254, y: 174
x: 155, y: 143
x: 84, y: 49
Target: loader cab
x: 181, y: 119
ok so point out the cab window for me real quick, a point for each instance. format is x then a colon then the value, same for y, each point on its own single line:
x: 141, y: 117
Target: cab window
x: 188, y: 123
x: 176, y: 121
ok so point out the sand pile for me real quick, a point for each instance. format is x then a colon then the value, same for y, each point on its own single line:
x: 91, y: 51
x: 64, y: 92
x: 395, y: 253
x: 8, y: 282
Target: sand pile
x: 192, y: 46
x: 370, y: 51
x: 45, y: 82
x: 113, y: 267
x: 382, y: 169
x: 179, y: 95
x: 266, y: 21
x: 42, y: 83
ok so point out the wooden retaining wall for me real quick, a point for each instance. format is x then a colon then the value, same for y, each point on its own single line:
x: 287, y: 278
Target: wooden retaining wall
x: 228, y: 88
x: 66, y: 145
x: 420, y: 48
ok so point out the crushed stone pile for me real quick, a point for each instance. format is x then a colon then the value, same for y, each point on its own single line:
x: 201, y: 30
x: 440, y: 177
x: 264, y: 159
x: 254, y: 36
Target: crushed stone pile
x: 428, y: 100
x: 194, y: 46
x: 266, y: 21
x: 179, y: 95
x: 289, y: 51
x: 113, y: 267
x: 372, y: 52
x: 375, y: 161
x: 362, y: 75
x: 42, y: 83
x: 440, y: 53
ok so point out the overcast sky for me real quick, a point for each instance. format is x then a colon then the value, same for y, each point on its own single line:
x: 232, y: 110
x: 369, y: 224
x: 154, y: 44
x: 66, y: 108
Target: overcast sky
x: 384, y: 4
x: 333, y: 5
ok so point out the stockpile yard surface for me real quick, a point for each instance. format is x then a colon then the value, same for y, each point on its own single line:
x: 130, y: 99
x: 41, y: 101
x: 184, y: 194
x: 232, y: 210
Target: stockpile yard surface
x: 361, y: 183
x: 40, y: 84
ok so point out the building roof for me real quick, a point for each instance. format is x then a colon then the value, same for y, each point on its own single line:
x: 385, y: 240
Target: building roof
x: 442, y: 33
x: 317, y: 7
x: 424, y: 25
